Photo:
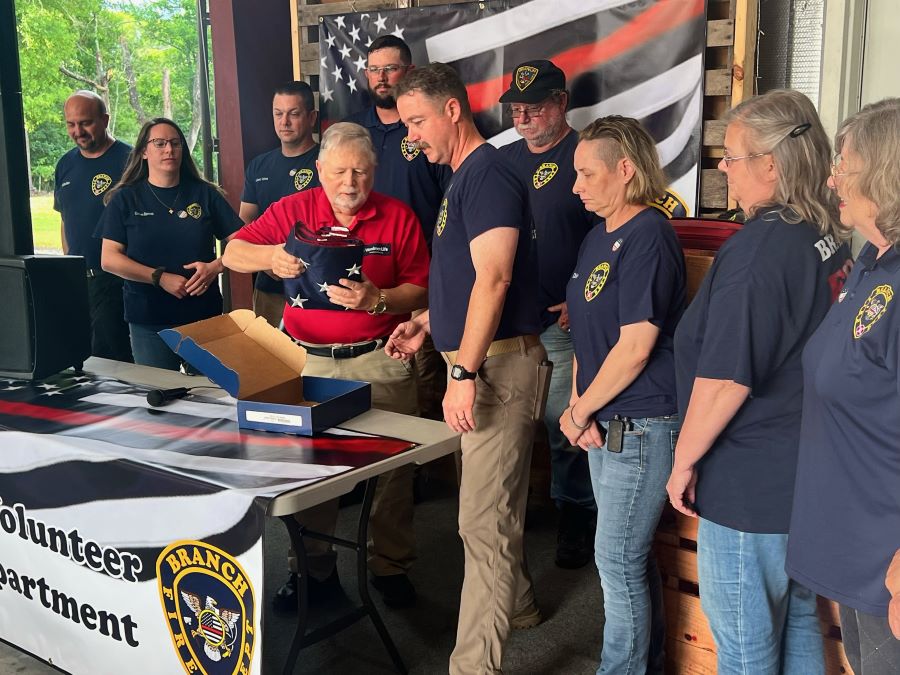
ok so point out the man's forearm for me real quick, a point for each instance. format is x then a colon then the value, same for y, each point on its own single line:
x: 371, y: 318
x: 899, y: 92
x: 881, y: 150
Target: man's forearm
x: 483, y: 316
x: 892, y: 581
x: 242, y: 256
x: 405, y: 298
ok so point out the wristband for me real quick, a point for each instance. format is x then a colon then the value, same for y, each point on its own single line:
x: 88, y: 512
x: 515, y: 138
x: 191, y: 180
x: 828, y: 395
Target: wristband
x: 157, y: 275
x: 572, y: 416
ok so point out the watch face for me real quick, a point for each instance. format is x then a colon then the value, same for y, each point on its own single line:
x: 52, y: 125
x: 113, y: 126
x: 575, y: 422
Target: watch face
x: 457, y: 372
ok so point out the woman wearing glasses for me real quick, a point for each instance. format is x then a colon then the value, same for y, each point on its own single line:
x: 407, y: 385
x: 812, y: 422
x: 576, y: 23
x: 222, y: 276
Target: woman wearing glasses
x: 845, y: 525
x: 159, y: 230
x: 737, y: 358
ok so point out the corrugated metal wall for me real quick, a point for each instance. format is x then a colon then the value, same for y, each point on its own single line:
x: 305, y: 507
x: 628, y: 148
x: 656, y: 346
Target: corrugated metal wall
x: 790, y: 45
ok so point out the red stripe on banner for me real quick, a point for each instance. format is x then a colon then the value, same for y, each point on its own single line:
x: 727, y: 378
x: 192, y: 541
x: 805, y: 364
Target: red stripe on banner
x: 659, y: 19
x: 73, y: 418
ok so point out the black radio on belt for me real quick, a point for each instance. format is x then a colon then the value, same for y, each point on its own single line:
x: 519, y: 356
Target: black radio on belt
x: 615, y: 433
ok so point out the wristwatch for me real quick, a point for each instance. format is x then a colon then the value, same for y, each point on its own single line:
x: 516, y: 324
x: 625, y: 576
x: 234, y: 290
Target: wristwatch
x: 380, y: 306
x: 157, y: 275
x: 459, y: 373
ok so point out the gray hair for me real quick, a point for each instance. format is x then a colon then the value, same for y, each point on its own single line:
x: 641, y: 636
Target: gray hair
x: 347, y: 132
x: 874, y: 134
x: 785, y: 124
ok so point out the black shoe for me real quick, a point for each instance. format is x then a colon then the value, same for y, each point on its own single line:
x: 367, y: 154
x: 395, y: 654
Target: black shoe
x: 319, y: 592
x: 396, y: 590
x: 575, y: 540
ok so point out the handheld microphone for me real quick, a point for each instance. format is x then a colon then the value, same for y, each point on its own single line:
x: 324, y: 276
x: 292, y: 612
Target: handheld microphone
x: 160, y: 397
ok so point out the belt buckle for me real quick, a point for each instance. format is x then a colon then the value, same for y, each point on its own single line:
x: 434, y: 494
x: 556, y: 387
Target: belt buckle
x: 89, y: 273
x: 334, y: 349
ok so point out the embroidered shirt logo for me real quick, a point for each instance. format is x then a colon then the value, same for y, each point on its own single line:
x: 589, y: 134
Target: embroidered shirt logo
x: 302, y: 178
x: 100, y: 184
x: 409, y: 149
x: 544, y: 174
x: 194, y: 211
x: 670, y: 205
x: 209, y: 605
x: 595, y: 281
x: 872, y: 310
x: 525, y: 75
x: 441, y: 218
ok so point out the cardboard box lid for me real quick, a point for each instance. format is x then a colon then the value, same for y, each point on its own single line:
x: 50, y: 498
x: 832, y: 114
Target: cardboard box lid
x: 250, y: 356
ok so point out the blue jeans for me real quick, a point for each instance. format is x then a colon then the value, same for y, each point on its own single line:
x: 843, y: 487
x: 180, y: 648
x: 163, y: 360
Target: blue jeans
x: 630, y: 489
x: 149, y: 349
x: 763, y: 622
x: 570, y: 479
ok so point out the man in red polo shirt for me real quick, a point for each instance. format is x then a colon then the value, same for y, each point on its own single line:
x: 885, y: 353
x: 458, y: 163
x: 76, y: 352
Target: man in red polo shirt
x: 346, y: 342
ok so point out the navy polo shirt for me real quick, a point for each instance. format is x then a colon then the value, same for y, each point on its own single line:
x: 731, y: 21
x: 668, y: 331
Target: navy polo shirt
x: 271, y: 176
x: 483, y: 194
x: 633, y: 274
x: 765, y: 294
x: 845, y: 525
x: 560, y: 219
x: 140, y: 219
x: 79, y: 185
x: 403, y: 171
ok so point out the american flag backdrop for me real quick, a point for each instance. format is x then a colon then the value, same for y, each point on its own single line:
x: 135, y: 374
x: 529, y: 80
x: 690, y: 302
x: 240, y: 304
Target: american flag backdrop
x: 641, y: 59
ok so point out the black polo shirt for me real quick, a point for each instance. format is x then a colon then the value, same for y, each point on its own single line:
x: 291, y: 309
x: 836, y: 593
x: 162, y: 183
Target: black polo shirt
x: 139, y: 218
x: 633, y: 274
x: 403, y: 171
x: 484, y: 193
x: 560, y: 219
x: 271, y: 176
x: 763, y: 297
x: 79, y: 185
x: 845, y: 525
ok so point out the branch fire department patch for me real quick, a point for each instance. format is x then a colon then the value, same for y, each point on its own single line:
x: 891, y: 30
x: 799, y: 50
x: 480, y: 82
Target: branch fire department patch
x: 408, y: 149
x: 302, y: 178
x: 595, y: 281
x: 544, y: 174
x: 100, y: 184
x: 209, y: 607
x: 441, y: 218
x: 872, y: 310
x: 525, y: 76
x: 194, y: 211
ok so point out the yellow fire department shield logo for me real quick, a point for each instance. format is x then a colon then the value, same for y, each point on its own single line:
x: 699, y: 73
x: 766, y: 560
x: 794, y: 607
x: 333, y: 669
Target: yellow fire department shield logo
x: 544, y: 174
x: 872, y: 310
x: 302, y: 178
x: 100, y: 184
x: 408, y: 149
x: 441, y: 218
x: 525, y: 75
x: 194, y: 211
x: 596, y: 281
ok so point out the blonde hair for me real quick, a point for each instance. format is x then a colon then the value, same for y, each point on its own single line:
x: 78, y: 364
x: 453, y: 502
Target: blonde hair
x: 625, y: 138
x: 874, y: 134
x: 785, y: 124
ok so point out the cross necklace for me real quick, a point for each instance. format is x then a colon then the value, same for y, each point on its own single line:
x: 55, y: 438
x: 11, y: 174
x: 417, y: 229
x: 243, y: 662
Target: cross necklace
x: 171, y: 209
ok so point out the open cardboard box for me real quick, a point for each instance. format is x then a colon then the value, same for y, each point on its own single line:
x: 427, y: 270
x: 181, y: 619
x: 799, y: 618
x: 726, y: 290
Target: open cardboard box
x: 262, y: 368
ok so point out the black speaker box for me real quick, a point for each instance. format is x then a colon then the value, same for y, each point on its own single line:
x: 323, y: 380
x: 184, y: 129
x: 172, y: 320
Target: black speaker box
x: 45, y: 325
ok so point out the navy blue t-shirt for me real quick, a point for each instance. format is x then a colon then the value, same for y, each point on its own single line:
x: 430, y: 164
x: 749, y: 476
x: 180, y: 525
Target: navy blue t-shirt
x: 271, y: 176
x: 765, y: 294
x: 154, y: 237
x: 80, y: 183
x: 483, y: 194
x: 633, y: 274
x: 845, y: 525
x: 560, y: 219
x: 403, y: 171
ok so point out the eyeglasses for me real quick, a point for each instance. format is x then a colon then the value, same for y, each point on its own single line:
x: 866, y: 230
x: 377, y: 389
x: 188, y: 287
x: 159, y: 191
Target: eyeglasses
x: 163, y: 142
x: 836, y: 161
x: 728, y: 159
x: 389, y: 69
x: 517, y: 111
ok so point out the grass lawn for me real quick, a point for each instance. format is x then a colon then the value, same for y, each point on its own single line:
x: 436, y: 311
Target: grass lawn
x: 45, y: 224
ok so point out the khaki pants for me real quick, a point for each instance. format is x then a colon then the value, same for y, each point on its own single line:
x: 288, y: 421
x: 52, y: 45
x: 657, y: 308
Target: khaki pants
x: 493, y: 493
x: 270, y: 306
x: 391, y: 540
x: 432, y: 373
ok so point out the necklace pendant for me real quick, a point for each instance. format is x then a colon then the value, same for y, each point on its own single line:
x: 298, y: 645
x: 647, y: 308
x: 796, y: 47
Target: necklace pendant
x: 171, y: 211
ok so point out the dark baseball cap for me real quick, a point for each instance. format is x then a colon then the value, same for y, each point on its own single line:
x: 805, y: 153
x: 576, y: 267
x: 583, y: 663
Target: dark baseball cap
x: 533, y: 82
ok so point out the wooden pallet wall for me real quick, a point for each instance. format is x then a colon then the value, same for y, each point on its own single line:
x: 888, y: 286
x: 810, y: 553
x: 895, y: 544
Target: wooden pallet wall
x: 730, y: 54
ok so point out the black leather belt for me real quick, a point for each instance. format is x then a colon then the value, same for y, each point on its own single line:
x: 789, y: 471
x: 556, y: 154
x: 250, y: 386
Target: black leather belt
x: 344, y: 351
